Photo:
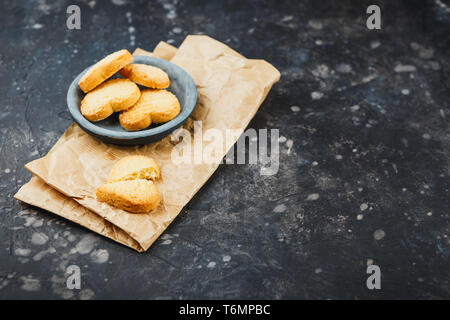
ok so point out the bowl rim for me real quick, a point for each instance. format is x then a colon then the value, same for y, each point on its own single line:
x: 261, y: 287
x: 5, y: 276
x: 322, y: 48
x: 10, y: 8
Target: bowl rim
x: 163, y: 129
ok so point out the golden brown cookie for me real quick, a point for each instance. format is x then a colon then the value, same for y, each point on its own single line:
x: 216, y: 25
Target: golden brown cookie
x: 136, y: 196
x: 104, y: 69
x: 153, y: 106
x: 146, y: 75
x: 134, y: 167
x: 112, y: 96
x: 129, y: 185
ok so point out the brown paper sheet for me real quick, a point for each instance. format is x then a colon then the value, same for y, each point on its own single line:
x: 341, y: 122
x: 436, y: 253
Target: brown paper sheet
x: 230, y: 90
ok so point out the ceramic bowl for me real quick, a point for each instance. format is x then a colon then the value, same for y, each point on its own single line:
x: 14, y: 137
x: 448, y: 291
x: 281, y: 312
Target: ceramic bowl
x: 110, y: 131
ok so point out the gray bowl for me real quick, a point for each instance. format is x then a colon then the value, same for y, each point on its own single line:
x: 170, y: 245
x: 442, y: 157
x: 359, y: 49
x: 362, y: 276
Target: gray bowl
x: 110, y: 131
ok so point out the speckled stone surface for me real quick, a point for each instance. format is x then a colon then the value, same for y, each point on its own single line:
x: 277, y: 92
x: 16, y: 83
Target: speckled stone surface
x: 364, y: 154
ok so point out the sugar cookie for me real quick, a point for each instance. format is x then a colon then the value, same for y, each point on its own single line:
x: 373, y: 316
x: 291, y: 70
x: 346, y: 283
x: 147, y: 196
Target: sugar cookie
x: 104, y: 69
x: 112, y: 96
x: 136, y: 196
x: 134, y: 167
x: 145, y: 75
x: 153, y: 106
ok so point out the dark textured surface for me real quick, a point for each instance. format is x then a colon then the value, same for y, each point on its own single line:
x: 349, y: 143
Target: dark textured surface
x: 374, y: 149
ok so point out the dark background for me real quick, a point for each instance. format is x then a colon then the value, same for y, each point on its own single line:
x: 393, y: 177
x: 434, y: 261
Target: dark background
x: 377, y: 138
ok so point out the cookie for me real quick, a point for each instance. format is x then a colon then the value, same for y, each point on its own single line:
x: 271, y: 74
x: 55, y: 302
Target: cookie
x: 134, y: 167
x: 129, y: 185
x: 145, y: 75
x: 136, y: 196
x: 112, y: 96
x: 104, y: 69
x: 156, y: 106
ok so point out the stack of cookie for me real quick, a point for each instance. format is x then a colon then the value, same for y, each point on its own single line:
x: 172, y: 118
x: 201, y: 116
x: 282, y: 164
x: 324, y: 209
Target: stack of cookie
x: 138, y: 109
x: 130, y: 185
